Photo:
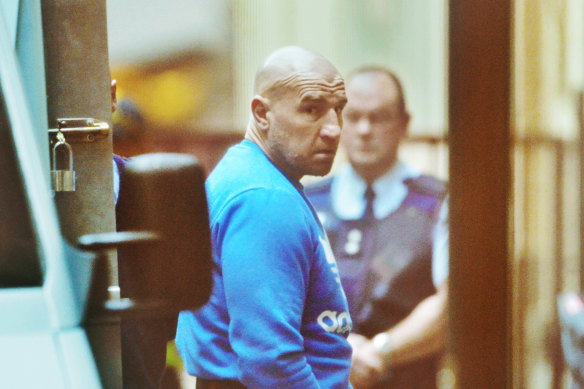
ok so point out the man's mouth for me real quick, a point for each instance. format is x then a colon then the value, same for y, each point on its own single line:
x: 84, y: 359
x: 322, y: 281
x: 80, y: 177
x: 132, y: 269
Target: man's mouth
x: 327, y: 152
x: 366, y: 148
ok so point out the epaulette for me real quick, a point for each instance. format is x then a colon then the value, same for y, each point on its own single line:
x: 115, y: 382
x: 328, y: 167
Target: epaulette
x: 427, y: 185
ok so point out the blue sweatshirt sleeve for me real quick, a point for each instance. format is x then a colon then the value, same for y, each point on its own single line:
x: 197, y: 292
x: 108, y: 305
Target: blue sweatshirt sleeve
x: 266, y: 250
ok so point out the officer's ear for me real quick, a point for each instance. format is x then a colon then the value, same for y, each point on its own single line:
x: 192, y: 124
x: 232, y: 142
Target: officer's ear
x: 259, y: 111
x: 405, y: 123
x: 114, y: 95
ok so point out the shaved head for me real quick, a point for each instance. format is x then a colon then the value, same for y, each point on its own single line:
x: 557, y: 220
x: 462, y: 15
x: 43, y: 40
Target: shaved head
x: 284, y: 66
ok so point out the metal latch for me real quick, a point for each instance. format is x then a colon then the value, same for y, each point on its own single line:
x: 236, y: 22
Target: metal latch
x: 81, y: 129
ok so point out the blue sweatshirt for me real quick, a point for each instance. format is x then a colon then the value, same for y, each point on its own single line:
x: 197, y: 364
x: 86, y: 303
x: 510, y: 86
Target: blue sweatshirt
x: 277, y: 317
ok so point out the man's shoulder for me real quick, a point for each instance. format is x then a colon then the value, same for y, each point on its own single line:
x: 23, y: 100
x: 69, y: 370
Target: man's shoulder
x: 427, y: 185
x: 425, y: 192
x: 238, y: 167
x: 251, y: 180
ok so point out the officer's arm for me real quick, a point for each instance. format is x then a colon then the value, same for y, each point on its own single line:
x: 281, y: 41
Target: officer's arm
x: 420, y: 334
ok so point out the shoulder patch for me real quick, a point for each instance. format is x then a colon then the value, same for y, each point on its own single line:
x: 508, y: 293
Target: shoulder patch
x: 425, y: 192
x: 427, y: 185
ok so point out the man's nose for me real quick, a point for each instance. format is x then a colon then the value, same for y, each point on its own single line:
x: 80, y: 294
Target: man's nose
x: 332, y: 125
x: 363, y: 126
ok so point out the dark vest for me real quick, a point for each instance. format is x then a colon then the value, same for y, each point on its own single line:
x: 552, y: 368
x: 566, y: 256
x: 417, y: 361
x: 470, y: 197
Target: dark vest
x: 386, y: 266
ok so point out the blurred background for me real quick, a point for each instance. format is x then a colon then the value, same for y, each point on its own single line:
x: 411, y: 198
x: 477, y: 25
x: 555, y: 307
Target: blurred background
x: 185, y: 68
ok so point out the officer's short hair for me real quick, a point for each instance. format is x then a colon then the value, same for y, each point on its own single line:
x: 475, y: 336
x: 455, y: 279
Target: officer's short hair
x: 381, y: 70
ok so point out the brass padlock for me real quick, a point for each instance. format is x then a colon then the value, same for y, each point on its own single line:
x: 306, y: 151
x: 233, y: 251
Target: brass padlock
x: 63, y: 180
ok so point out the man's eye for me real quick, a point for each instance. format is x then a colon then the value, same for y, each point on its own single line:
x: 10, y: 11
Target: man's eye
x: 381, y: 117
x: 312, y: 110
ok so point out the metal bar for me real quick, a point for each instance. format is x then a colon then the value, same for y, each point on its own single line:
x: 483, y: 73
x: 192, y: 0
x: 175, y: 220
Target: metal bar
x: 81, y: 130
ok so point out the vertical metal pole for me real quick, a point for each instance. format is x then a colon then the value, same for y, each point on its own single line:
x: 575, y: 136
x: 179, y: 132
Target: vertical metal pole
x: 78, y: 79
x: 580, y: 102
x: 479, y: 135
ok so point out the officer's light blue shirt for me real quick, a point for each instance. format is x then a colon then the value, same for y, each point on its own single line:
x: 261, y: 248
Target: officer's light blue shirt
x: 440, y: 246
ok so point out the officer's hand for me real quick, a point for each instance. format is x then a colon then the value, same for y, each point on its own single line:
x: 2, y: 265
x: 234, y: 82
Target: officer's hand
x: 356, y: 340
x: 367, y: 366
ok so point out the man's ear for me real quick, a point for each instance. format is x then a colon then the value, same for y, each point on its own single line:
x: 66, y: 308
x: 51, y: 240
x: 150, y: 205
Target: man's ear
x: 406, y: 123
x: 259, y: 110
x: 114, y: 95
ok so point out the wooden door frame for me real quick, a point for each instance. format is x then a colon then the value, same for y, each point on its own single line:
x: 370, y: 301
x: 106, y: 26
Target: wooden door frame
x: 479, y: 138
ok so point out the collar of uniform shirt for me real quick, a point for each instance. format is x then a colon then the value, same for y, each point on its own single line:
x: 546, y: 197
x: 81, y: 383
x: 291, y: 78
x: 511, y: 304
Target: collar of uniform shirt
x: 347, y: 190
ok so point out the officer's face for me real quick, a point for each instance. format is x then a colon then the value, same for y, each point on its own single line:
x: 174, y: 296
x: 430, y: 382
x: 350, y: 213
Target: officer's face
x: 305, y: 121
x: 374, y: 124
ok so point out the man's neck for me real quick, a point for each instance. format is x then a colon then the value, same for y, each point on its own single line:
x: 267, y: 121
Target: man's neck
x: 369, y: 175
x: 253, y: 135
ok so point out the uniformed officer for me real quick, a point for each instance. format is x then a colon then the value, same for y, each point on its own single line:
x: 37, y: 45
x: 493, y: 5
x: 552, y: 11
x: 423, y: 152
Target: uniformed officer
x: 380, y: 215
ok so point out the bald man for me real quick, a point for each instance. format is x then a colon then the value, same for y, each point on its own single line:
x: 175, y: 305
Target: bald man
x: 278, y: 317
